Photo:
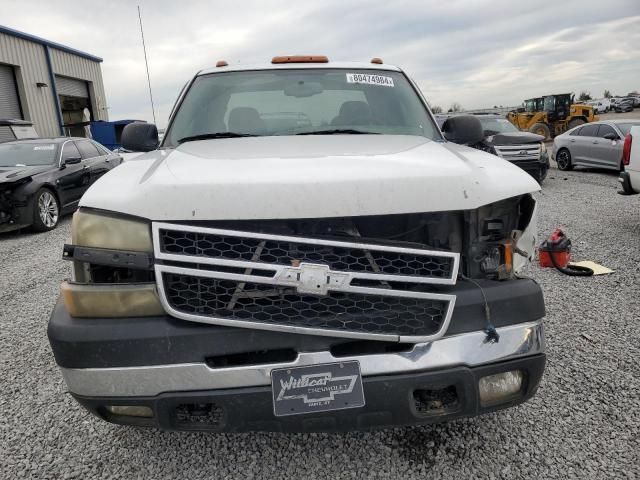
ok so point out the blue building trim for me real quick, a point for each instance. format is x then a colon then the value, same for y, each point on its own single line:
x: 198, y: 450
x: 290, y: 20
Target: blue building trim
x: 54, y: 89
x: 48, y: 44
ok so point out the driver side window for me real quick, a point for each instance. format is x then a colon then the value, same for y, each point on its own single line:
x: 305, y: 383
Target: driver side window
x: 605, y: 130
x: 70, y: 151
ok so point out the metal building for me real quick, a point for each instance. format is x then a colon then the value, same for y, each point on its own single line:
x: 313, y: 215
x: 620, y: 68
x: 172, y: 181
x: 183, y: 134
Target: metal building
x: 55, y: 87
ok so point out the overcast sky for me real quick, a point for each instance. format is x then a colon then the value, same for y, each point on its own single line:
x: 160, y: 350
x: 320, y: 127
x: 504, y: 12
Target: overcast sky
x: 477, y: 53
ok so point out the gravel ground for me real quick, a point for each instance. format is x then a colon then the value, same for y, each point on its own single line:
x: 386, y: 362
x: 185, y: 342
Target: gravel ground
x: 584, y: 422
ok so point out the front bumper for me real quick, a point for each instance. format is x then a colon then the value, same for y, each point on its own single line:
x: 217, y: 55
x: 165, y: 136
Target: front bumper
x: 165, y: 363
x: 391, y: 400
x: 536, y: 168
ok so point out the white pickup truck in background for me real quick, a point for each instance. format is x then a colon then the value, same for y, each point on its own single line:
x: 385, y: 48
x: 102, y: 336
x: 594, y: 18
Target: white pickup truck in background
x: 630, y: 175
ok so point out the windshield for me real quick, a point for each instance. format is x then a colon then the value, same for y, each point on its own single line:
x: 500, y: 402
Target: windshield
x: 533, y: 105
x: 303, y: 101
x: 549, y: 104
x: 625, y: 128
x: 497, y: 125
x: 27, y: 154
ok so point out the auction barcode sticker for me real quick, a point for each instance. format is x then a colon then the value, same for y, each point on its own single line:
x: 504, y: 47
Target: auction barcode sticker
x: 369, y: 79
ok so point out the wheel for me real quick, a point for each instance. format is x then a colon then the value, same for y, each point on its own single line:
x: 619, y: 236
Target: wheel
x: 46, y: 211
x: 563, y: 159
x: 541, y: 129
x: 574, y: 122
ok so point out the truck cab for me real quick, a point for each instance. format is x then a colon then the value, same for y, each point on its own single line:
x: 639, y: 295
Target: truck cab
x: 304, y: 251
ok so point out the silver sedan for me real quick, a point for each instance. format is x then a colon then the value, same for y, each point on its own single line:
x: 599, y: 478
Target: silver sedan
x: 595, y: 145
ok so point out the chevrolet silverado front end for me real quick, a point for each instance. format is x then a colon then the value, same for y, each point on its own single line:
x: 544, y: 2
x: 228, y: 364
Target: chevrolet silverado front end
x: 315, y: 257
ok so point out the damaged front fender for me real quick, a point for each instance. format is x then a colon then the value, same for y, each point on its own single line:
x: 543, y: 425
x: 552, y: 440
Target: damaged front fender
x: 526, y: 240
x: 14, y: 204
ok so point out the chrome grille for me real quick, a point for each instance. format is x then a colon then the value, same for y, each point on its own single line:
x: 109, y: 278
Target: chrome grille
x: 515, y: 153
x: 286, y: 252
x: 305, y: 285
x: 339, y: 311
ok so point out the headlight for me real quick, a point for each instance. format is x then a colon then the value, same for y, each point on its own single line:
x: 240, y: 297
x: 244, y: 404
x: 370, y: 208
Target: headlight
x: 103, y: 231
x: 543, y: 148
x: 103, y: 285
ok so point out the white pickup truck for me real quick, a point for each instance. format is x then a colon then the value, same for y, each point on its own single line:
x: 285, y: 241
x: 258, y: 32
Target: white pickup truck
x: 304, y: 251
x: 630, y: 175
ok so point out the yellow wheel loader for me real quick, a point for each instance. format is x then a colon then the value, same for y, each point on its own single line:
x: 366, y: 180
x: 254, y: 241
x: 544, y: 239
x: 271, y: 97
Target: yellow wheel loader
x: 551, y: 115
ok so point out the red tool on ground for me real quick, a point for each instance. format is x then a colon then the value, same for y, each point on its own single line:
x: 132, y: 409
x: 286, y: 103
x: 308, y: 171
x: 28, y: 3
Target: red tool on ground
x: 555, y: 251
x: 557, y: 245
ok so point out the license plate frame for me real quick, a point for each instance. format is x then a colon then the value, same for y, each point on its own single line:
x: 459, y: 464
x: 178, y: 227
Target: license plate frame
x: 317, y: 388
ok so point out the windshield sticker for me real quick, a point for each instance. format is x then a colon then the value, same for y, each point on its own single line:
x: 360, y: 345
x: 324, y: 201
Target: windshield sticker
x: 370, y: 79
x: 44, y: 147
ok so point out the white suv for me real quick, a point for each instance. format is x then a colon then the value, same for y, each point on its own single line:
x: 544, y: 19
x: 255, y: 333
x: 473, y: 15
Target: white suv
x: 304, y: 251
x: 630, y: 175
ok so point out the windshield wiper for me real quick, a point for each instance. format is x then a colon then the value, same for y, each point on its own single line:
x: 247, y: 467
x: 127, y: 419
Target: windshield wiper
x: 337, y: 131
x: 206, y: 136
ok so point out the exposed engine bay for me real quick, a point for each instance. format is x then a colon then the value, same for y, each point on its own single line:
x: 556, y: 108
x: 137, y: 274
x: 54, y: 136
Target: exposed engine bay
x: 475, y: 234
x: 487, y: 238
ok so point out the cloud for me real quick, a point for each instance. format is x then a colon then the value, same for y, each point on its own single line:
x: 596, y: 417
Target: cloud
x: 476, y: 53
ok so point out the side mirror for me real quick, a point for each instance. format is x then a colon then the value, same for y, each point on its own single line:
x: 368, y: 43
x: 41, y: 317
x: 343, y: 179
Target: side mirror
x: 140, y: 137
x: 71, y: 161
x: 463, y: 129
x: 611, y: 136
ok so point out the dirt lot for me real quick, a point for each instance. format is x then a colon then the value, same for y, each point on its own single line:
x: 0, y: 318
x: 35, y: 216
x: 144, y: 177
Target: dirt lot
x: 584, y: 422
x: 635, y: 115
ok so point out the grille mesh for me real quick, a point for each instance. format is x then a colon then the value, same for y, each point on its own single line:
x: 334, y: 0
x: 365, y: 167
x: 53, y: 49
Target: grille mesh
x: 344, y: 311
x: 515, y: 153
x: 284, y: 253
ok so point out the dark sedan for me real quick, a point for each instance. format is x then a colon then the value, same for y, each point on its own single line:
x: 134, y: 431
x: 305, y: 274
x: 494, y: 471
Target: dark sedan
x: 625, y: 105
x: 43, y: 179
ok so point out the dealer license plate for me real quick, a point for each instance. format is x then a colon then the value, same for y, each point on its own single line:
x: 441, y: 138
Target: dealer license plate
x: 317, y: 388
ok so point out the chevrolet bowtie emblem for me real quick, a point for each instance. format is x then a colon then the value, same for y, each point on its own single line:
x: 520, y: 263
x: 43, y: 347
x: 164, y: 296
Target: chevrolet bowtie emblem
x: 312, y: 278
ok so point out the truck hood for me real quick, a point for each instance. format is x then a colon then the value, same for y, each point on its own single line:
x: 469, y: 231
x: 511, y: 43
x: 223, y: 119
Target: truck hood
x: 306, y: 177
x: 514, y: 138
x: 13, y: 174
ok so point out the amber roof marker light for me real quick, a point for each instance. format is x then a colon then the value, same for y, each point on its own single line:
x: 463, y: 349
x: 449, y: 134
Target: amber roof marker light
x: 376, y: 60
x: 301, y: 59
x: 222, y: 63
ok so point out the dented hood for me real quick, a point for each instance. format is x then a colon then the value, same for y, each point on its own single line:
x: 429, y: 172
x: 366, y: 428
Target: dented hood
x: 306, y: 177
x: 16, y: 173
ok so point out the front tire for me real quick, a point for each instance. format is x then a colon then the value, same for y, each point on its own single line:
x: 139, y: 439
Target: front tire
x: 563, y: 159
x: 541, y: 129
x: 46, y: 211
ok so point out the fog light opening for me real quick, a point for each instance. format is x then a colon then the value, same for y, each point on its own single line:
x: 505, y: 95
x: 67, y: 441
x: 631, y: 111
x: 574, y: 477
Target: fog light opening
x: 436, y: 400
x: 500, y: 387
